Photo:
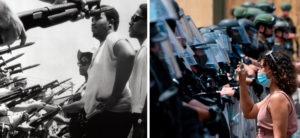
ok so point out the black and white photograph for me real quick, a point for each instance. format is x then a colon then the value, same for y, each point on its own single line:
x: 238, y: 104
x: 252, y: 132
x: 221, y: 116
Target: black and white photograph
x: 73, y: 68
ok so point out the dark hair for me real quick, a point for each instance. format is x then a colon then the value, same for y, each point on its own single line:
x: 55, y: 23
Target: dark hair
x: 143, y: 8
x: 282, y: 69
x: 111, y: 14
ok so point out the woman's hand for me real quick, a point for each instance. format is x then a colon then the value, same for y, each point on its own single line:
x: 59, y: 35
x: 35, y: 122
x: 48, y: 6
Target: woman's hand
x: 240, y: 70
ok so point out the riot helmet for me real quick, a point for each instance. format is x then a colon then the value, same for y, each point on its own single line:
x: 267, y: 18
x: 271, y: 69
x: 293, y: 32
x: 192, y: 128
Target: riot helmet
x: 285, y: 6
x: 265, y: 6
x: 251, y: 31
x: 234, y: 30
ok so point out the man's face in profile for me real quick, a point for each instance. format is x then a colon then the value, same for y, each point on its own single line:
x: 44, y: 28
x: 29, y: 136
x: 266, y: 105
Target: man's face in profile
x: 137, y: 25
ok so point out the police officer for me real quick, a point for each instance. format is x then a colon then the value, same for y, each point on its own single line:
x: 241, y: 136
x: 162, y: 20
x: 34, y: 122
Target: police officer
x: 264, y: 24
x: 286, y: 8
x: 281, y: 31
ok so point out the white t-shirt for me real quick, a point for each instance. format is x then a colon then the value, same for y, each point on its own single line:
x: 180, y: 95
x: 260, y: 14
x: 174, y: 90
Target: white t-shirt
x: 138, y: 80
x: 102, y: 72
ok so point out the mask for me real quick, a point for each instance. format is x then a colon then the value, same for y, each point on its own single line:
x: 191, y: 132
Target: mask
x: 263, y: 80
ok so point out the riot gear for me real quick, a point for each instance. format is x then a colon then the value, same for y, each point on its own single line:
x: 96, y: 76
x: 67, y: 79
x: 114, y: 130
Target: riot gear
x: 234, y: 30
x: 286, y: 6
x: 239, y: 12
x: 248, y: 4
x: 252, y: 12
x: 265, y: 6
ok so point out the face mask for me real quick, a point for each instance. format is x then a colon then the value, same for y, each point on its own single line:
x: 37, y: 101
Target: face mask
x: 263, y: 80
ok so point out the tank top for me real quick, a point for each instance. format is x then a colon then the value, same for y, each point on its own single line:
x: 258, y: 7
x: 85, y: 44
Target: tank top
x: 265, y: 124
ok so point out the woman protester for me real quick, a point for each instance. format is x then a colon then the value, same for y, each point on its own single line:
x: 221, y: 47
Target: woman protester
x: 275, y: 114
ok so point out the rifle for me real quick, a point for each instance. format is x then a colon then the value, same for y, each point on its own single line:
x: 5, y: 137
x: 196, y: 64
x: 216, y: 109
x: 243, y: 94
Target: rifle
x: 7, y: 84
x: 57, y: 93
x: 53, y: 15
x: 22, y: 69
x: 13, y: 67
x: 39, y: 121
x: 9, y: 49
x: 50, y: 84
x: 54, y: 84
x: 25, y: 95
x: 48, y: 100
x: 10, y: 59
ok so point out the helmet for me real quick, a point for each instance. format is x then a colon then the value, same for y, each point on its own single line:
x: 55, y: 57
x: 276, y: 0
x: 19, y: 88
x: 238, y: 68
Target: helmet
x: 286, y: 6
x: 228, y: 23
x: 238, y: 12
x: 234, y: 30
x: 265, y: 6
x: 251, y: 31
x: 265, y: 19
x: 248, y: 4
x: 281, y: 25
x: 247, y: 24
x: 252, y: 12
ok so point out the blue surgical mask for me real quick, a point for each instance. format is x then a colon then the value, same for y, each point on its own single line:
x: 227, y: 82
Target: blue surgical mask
x: 263, y: 79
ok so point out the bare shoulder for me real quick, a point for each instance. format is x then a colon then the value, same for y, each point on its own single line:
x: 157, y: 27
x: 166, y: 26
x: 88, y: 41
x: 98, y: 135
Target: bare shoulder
x: 123, y: 47
x: 279, y: 101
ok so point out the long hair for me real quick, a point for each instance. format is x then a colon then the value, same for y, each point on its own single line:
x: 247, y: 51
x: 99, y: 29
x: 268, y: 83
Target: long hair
x: 282, y: 69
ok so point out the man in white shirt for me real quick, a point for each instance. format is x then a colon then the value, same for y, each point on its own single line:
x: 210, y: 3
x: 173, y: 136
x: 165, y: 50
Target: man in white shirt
x: 107, y: 101
x: 138, y: 78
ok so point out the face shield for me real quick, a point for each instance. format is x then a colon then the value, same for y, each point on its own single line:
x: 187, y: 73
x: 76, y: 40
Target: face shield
x: 225, y: 40
x: 166, y: 55
x: 240, y: 35
x: 165, y: 49
x: 252, y: 33
x: 198, y: 39
x: 178, y: 49
x: 187, y: 30
x: 162, y: 10
x: 182, y: 30
x: 206, y: 57
x: 220, y: 55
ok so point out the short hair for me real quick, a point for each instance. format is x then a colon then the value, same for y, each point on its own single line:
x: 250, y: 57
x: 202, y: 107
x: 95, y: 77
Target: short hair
x: 143, y: 8
x: 111, y: 14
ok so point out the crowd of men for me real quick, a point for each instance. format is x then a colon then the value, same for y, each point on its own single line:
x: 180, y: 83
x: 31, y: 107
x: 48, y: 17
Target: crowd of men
x: 194, y: 89
x: 112, y: 100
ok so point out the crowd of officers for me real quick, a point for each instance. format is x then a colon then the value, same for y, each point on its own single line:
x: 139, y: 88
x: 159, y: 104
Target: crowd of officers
x: 194, y: 89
